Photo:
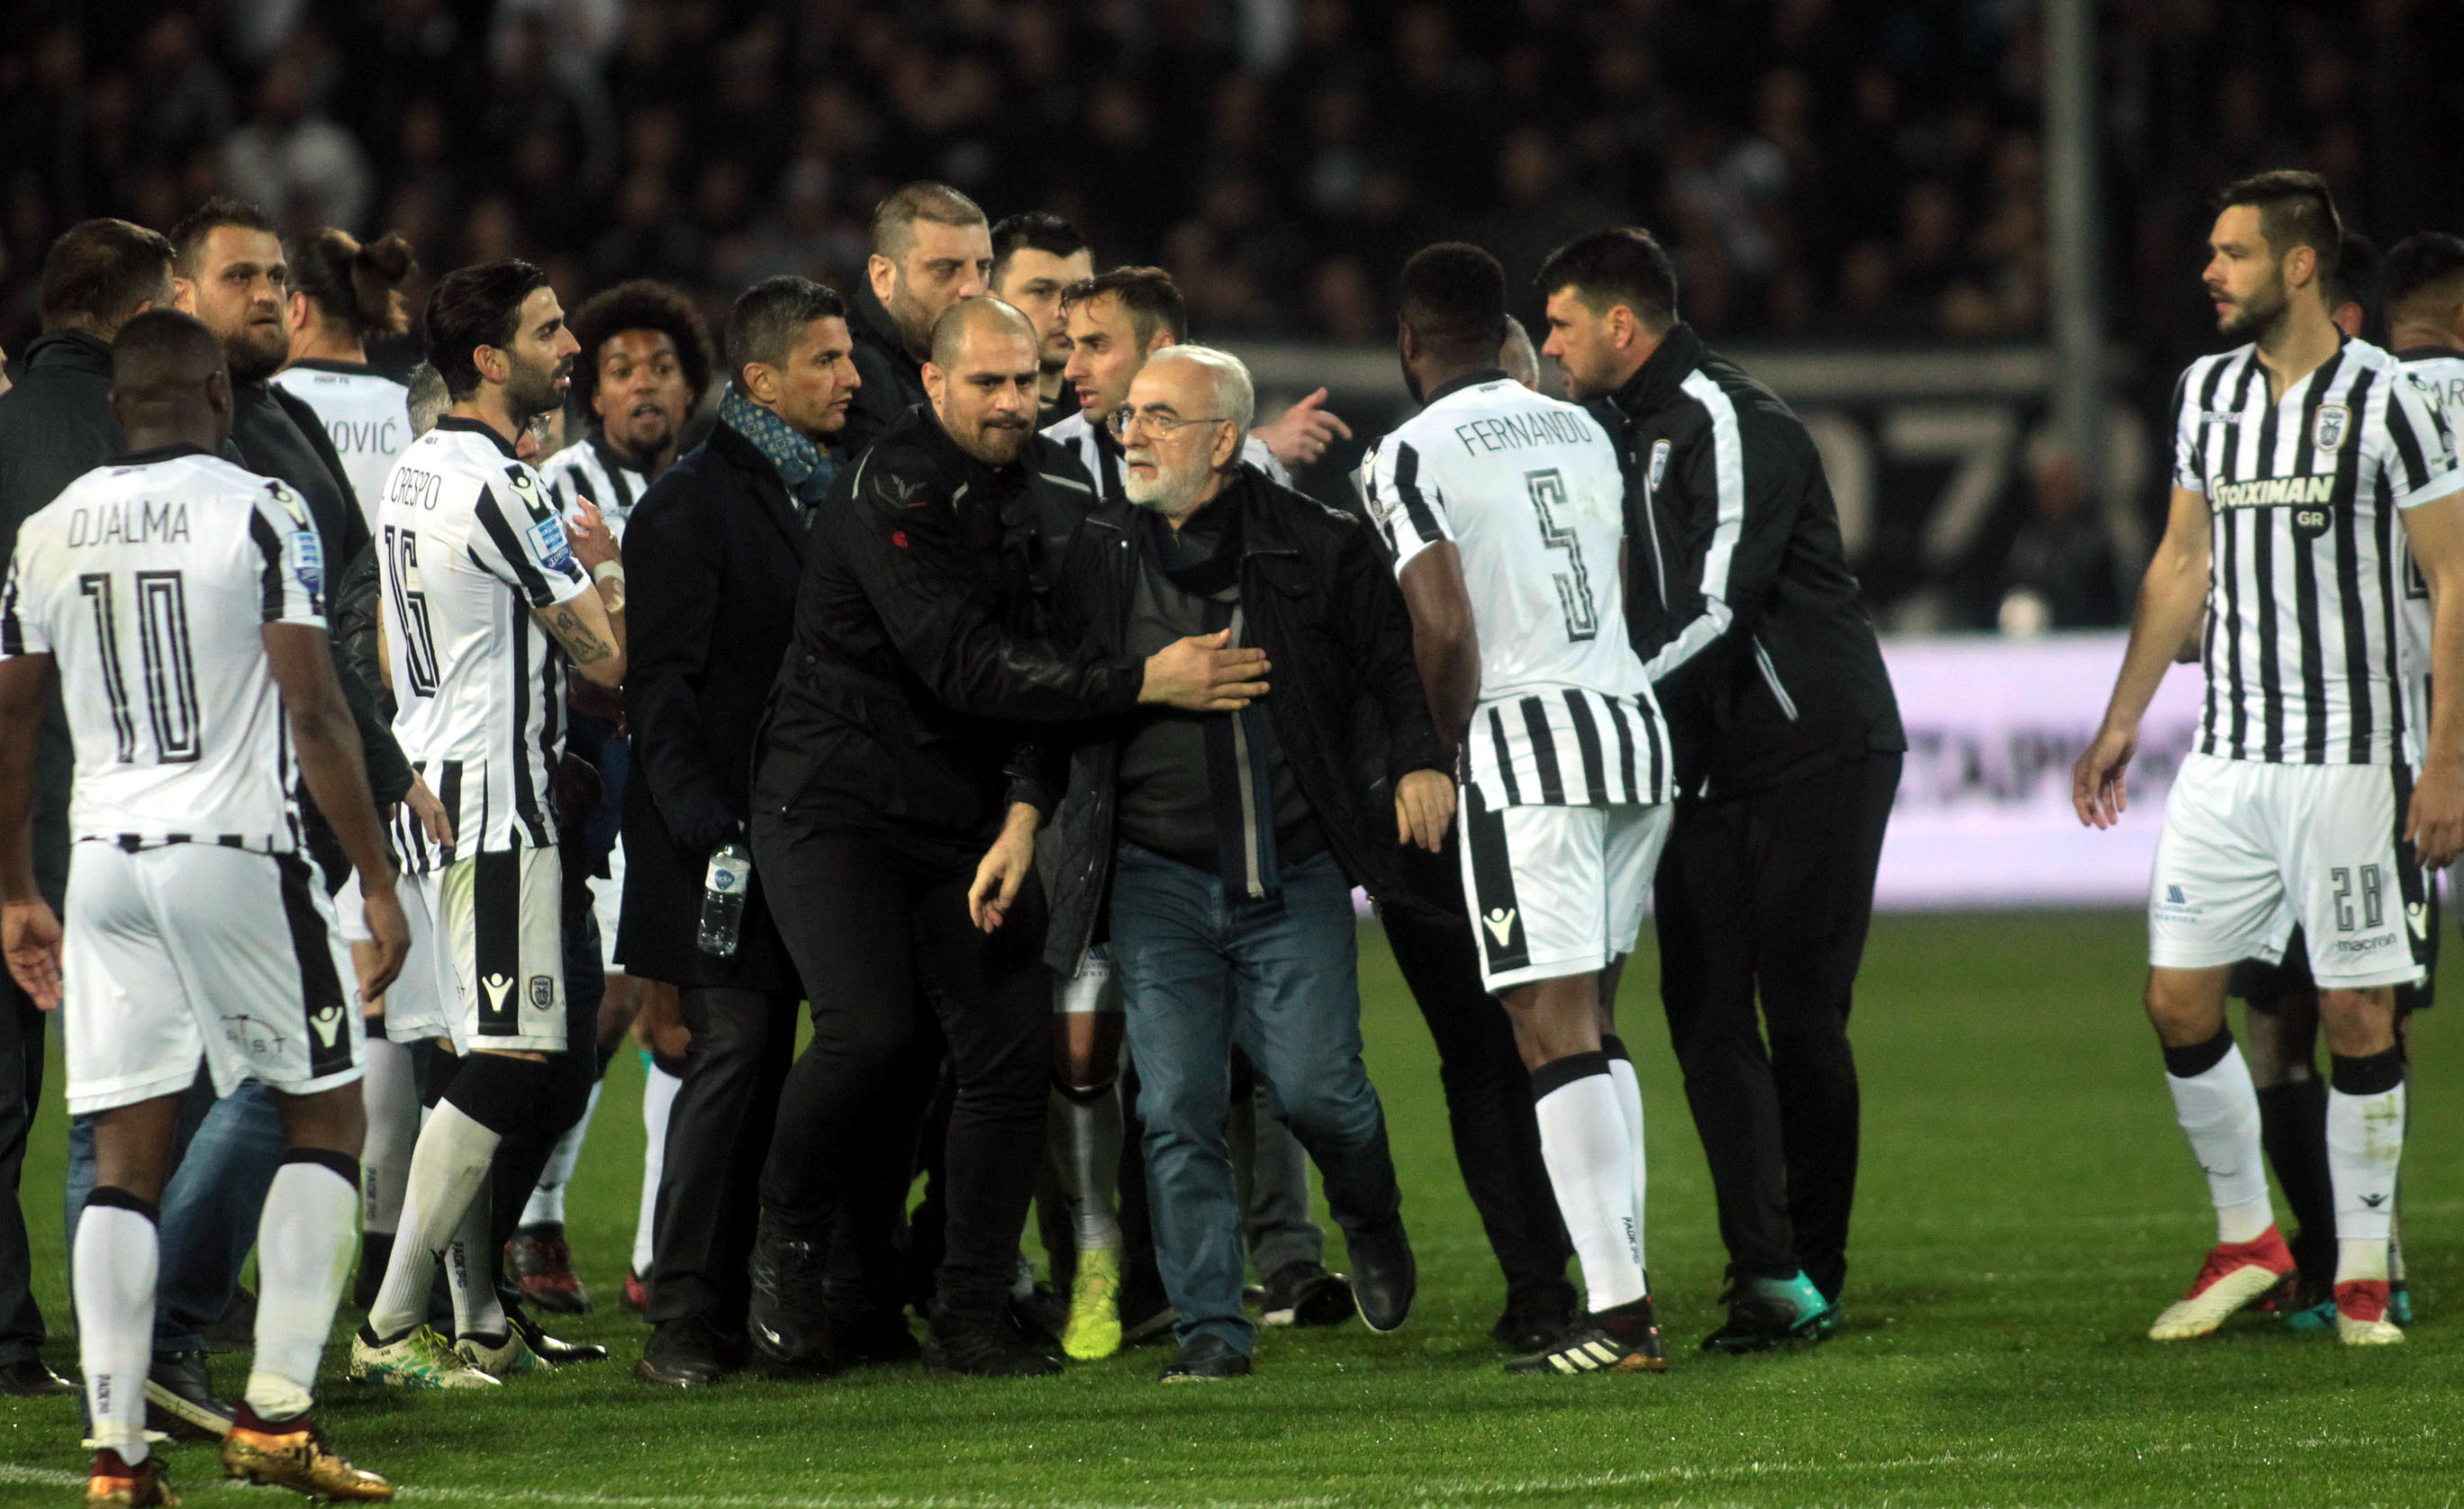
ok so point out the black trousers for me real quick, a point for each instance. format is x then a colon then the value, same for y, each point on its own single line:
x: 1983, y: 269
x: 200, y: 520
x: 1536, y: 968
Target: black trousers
x: 21, y: 1096
x: 1768, y: 894
x: 880, y: 933
x: 719, y: 1136
x: 1488, y: 1090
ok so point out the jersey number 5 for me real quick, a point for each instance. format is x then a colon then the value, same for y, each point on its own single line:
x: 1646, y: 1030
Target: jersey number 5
x: 167, y: 664
x: 1548, y: 490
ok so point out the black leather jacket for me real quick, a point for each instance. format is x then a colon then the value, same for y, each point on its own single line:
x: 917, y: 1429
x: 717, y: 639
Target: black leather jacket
x: 921, y: 659
x: 1347, y: 708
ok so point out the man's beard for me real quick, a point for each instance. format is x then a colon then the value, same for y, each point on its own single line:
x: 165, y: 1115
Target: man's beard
x: 997, y: 443
x: 253, y: 356
x: 2257, y: 317
x: 529, y: 394
x: 914, y: 323
x: 1170, y: 496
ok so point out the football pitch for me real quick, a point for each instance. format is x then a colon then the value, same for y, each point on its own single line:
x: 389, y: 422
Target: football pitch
x: 2027, y: 1206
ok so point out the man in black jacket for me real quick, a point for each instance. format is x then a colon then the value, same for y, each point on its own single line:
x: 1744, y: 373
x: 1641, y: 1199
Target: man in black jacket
x: 1228, y: 843
x: 1788, y: 745
x: 931, y: 248
x: 916, y: 670
x: 55, y: 425
x: 718, y: 542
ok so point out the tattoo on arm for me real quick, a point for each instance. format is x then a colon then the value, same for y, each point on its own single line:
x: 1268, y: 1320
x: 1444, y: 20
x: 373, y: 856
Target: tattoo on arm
x: 581, y: 644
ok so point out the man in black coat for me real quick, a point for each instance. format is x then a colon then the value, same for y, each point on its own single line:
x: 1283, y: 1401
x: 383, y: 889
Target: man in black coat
x: 1222, y: 849
x: 917, y: 669
x: 1788, y: 747
x: 55, y: 425
x: 717, y: 545
x: 931, y: 248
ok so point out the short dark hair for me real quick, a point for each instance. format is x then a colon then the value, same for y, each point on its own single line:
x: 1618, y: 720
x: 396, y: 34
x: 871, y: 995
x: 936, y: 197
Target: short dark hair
x: 2424, y: 278
x: 1148, y: 294
x: 642, y: 304
x: 2296, y: 208
x: 1452, y: 298
x: 188, y: 236
x: 97, y: 271
x: 475, y: 307
x: 359, y: 284
x: 2355, y: 277
x: 1033, y: 230
x: 893, y: 219
x: 767, y: 318
x: 162, y: 356
x: 1620, y: 265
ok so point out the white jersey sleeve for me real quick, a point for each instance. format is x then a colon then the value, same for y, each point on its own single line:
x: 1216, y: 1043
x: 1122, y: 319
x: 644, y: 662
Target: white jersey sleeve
x: 292, y: 556
x: 520, y: 540
x: 1410, y: 514
x: 2417, y: 450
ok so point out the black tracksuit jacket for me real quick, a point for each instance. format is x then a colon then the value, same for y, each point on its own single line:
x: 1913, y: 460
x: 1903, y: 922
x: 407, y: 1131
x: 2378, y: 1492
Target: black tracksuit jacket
x: 1739, y: 597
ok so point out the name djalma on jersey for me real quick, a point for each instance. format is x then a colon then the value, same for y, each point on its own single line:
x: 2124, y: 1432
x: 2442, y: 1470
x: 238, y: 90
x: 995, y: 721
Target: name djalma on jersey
x: 130, y: 523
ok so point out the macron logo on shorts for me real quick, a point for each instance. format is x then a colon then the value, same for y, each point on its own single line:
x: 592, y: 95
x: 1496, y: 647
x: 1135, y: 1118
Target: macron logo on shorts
x: 1499, y: 923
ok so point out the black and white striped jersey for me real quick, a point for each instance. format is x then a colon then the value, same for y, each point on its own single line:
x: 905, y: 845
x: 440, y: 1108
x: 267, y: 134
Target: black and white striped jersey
x: 589, y: 469
x: 1530, y: 491
x: 469, y: 544
x: 367, y: 415
x: 1099, y: 452
x: 2440, y: 372
x: 147, y: 580
x: 2307, y: 566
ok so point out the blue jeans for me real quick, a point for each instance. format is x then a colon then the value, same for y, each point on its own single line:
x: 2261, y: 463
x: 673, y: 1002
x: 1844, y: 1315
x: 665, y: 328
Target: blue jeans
x: 209, y: 1209
x: 1199, y: 973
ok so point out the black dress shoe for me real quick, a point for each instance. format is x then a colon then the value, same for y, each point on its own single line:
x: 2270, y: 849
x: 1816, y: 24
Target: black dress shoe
x: 683, y: 1353
x: 29, y: 1379
x: 1532, y: 1321
x: 986, y: 1346
x: 878, y: 1335
x: 1383, y: 1276
x: 554, y: 1351
x: 1303, y: 1293
x: 1205, y: 1358
x: 180, y: 1398
x: 788, y: 1320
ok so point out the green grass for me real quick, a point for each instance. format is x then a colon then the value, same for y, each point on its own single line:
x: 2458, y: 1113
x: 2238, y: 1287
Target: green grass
x: 2028, y: 1206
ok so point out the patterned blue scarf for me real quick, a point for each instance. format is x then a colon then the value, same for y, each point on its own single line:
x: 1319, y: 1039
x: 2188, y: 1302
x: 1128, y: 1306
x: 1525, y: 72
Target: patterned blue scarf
x: 804, y: 467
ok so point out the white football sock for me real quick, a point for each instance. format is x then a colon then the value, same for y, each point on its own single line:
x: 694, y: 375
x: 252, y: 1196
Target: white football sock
x: 469, y: 1275
x: 305, y: 1243
x: 1590, y: 1154
x: 1629, y: 1093
x: 546, y: 1204
x: 2218, y: 1110
x: 658, y: 1098
x: 1086, y: 1152
x: 117, y: 1250
x: 448, y: 1172
x: 2364, y: 1144
x: 390, y: 1090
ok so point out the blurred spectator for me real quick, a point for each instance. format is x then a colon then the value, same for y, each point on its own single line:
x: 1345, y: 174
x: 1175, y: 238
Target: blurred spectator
x: 303, y: 168
x: 2062, y: 572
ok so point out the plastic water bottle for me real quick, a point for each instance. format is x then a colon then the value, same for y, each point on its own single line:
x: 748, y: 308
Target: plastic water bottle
x: 722, y: 899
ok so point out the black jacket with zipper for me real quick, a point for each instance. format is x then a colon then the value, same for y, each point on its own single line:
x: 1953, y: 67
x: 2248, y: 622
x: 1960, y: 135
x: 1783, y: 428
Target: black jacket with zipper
x: 1346, y: 701
x: 1738, y: 592
x: 894, y: 377
x: 922, y: 660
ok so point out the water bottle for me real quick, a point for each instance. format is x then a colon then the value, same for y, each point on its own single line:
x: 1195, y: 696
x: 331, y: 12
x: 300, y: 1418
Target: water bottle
x: 722, y: 898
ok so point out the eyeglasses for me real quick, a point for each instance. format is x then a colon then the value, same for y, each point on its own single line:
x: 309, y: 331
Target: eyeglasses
x: 1161, y: 426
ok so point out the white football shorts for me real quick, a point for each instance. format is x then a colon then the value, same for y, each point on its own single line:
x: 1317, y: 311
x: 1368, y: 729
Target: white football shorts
x: 424, y: 1002
x: 1556, y: 890
x: 499, y: 913
x: 2250, y: 848
x: 192, y: 949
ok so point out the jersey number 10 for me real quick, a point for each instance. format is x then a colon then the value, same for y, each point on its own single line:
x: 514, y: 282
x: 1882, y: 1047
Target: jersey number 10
x: 167, y: 664
x: 1548, y: 490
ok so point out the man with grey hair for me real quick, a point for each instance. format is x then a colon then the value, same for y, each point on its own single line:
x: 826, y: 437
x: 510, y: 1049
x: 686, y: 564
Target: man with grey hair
x: 1521, y: 361
x: 1228, y: 842
x: 932, y: 247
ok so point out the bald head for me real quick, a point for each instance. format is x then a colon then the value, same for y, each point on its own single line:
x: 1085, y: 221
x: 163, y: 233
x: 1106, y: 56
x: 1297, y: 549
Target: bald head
x: 981, y: 377
x: 168, y: 384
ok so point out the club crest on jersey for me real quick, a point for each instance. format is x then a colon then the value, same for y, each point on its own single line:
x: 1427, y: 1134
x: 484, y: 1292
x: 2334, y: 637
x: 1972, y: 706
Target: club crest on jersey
x: 2328, y: 430
x: 555, y: 552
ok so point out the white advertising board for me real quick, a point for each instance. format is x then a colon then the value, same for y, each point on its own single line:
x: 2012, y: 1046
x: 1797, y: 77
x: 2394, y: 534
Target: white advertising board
x: 1984, y: 816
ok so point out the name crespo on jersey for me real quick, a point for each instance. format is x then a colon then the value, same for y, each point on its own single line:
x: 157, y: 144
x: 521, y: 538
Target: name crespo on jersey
x: 1529, y: 490
x: 2308, y: 570
x: 469, y: 544
x: 147, y: 580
